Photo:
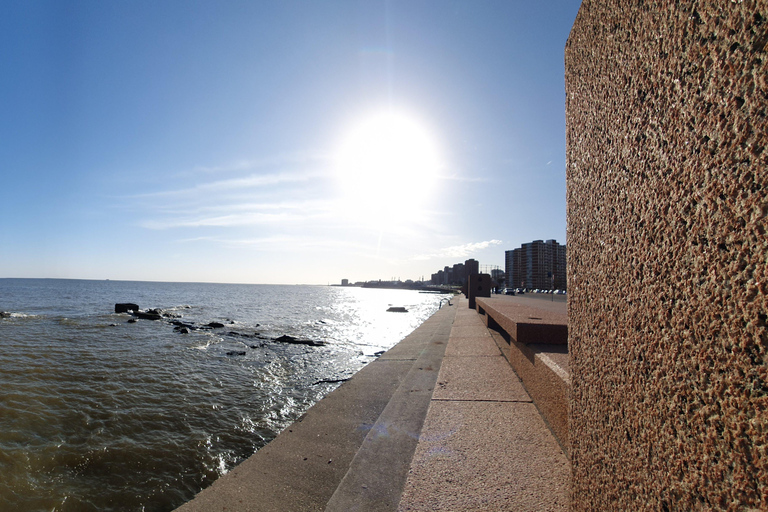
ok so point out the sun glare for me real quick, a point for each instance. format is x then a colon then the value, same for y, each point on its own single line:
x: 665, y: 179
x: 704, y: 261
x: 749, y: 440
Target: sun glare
x: 387, y: 166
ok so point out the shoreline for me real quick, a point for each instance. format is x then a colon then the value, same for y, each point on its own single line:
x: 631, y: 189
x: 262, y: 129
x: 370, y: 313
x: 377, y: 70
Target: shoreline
x: 303, y: 467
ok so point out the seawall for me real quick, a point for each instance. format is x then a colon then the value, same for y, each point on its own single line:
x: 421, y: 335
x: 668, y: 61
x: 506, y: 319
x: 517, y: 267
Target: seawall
x: 439, y: 422
x: 305, y: 466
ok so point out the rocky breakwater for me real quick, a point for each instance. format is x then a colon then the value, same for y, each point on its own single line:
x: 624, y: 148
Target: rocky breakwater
x: 182, y: 327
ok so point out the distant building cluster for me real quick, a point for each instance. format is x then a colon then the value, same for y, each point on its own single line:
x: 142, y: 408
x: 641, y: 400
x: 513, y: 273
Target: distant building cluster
x: 457, y: 274
x: 537, y: 265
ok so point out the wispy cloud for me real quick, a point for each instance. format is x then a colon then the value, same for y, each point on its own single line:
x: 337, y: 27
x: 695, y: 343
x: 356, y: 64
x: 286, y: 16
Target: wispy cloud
x: 300, y: 159
x: 279, y: 191
x: 238, y: 184
x: 226, y: 215
x: 279, y: 242
x: 458, y: 251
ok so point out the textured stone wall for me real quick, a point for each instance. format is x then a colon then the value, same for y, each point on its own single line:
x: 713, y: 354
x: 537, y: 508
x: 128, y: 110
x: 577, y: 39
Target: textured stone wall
x: 667, y: 188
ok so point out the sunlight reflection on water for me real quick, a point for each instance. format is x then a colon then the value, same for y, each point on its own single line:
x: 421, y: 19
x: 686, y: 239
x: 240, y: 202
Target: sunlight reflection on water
x: 100, y: 414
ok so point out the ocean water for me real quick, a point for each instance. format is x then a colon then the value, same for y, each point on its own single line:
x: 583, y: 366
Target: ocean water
x: 100, y: 414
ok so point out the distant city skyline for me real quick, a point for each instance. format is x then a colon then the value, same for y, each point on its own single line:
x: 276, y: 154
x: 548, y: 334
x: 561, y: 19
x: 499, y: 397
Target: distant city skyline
x: 278, y: 142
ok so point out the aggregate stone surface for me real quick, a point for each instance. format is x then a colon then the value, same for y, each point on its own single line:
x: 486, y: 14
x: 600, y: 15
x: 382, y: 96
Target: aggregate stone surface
x: 478, y: 378
x: 486, y: 456
x: 470, y: 331
x: 473, y: 346
x: 666, y: 176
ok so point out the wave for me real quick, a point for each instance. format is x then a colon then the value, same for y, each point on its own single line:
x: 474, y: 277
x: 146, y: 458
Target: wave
x: 8, y: 314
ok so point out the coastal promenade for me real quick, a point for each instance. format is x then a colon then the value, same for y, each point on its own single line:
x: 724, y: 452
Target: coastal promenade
x: 439, y: 422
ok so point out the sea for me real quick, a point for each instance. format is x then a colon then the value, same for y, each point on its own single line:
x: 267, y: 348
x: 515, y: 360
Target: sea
x: 100, y: 412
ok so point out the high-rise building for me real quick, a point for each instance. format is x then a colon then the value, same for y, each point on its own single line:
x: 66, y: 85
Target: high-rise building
x: 456, y: 274
x: 472, y: 266
x: 459, y: 274
x: 537, y: 264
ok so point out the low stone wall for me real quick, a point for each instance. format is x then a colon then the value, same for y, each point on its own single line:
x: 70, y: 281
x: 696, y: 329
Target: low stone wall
x: 539, y: 357
x: 667, y: 187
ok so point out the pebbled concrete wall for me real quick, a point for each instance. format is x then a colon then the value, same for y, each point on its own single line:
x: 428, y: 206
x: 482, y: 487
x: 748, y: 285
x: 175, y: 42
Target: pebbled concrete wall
x: 667, y: 189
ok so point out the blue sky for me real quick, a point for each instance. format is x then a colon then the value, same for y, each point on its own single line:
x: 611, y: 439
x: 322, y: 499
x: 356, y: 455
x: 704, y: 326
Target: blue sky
x: 202, y: 141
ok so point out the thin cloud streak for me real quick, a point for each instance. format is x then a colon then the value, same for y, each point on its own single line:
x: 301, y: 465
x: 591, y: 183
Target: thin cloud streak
x: 278, y: 243
x: 274, y: 162
x: 252, y: 181
x: 243, y: 215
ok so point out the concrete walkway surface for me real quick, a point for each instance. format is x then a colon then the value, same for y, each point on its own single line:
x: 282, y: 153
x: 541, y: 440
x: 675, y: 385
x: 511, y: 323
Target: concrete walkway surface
x: 438, y: 422
x: 483, y: 445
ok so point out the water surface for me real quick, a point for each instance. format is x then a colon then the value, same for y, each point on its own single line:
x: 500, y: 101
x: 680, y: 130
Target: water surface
x: 100, y: 414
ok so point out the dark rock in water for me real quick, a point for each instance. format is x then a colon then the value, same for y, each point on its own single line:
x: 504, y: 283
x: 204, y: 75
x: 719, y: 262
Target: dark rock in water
x: 331, y: 381
x: 397, y: 309
x: 5, y: 314
x: 380, y: 352
x: 215, y: 325
x: 148, y: 315
x: 132, y: 320
x: 171, y: 314
x: 182, y: 330
x: 125, y: 307
x: 113, y: 325
x: 236, y: 353
x: 241, y: 334
x: 295, y: 341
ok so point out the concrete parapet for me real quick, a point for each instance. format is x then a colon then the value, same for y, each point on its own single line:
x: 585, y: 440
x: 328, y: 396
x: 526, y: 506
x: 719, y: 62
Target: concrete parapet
x: 478, y: 285
x: 526, y: 322
x: 666, y: 114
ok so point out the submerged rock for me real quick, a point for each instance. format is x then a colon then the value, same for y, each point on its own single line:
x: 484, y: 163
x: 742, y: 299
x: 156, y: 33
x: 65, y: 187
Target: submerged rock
x: 397, y: 309
x: 296, y: 341
x: 148, y: 315
x: 179, y: 326
x: 331, y: 381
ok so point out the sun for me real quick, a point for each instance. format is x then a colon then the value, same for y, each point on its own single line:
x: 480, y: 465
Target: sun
x: 387, y: 165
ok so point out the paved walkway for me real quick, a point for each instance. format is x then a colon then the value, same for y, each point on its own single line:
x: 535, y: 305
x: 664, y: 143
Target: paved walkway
x: 439, y: 422
x: 483, y: 445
